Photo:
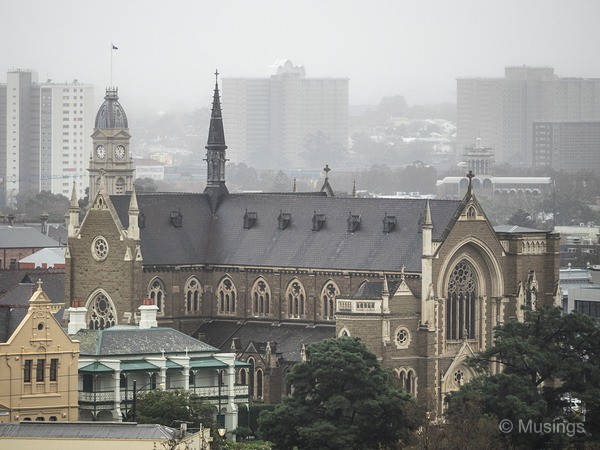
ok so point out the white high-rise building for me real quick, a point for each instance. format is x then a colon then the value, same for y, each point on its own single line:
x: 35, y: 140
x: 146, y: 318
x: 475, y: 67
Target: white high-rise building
x: 45, y: 135
x: 268, y: 119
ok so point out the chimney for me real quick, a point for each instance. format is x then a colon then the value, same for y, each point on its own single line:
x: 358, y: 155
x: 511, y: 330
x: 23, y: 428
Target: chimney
x: 148, y: 312
x: 77, y: 313
x: 44, y: 221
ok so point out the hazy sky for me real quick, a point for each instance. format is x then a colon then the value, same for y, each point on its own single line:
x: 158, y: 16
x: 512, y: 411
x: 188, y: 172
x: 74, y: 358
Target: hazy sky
x: 168, y: 50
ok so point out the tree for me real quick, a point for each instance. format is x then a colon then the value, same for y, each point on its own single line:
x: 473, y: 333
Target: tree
x: 320, y: 149
x: 30, y: 207
x: 341, y: 398
x: 547, y: 359
x: 522, y: 219
x: 145, y: 185
x: 174, y: 405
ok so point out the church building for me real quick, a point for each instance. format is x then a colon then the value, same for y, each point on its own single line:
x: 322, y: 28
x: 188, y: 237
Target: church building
x: 421, y: 282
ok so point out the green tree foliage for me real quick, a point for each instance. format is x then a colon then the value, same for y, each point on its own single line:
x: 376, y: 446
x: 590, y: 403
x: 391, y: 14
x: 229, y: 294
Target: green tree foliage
x: 547, y: 358
x: 341, y: 400
x: 29, y: 207
x: 145, y: 185
x: 522, y: 219
x: 173, y: 405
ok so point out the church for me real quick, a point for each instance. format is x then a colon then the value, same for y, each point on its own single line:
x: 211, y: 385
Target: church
x: 422, y: 282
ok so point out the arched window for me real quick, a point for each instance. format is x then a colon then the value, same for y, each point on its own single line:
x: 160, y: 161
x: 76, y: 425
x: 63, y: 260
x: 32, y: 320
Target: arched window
x: 259, y: 384
x: 251, y: 377
x: 461, y: 302
x: 243, y: 378
x: 101, y: 312
x: 261, y: 298
x: 156, y: 291
x: 153, y: 380
x: 407, y: 378
x: 193, y: 291
x: 226, y: 296
x: 192, y: 378
x: 296, y: 297
x: 328, y: 295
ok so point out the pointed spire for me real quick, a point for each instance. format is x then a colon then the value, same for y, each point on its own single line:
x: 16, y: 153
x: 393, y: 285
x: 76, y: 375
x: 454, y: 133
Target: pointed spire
x: 427, y: 222
x: 216, y: 137
x: 133, y: 204
x: 74, y: 203
x: 354, y: 188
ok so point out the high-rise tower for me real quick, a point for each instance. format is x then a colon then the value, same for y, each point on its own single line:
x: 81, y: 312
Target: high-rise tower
x: 111, y: 156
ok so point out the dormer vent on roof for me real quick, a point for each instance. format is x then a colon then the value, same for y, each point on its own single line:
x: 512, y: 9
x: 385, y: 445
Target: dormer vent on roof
x: 318, y: 221
x: 353, y: 222
x: 249, y: 219
x: 389, y: 223
x: 141, y: 219
x: 284, y: 220
x: 176, y: 219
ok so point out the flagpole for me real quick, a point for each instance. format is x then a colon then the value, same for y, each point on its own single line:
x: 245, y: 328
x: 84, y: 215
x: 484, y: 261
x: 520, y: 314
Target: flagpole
x: 111, y: 54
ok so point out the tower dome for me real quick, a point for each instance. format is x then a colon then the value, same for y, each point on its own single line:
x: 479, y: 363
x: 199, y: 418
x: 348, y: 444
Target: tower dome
x: 111, y: 114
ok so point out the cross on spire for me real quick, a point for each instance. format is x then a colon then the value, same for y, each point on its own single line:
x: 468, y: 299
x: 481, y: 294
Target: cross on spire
x: 216, y: 76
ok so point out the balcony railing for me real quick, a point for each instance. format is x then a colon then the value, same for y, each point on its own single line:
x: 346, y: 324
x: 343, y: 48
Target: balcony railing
x: 207, y: 392
x: 359, y: 306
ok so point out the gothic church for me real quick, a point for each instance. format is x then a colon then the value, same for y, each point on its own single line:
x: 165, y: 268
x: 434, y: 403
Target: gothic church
x: 422, y: 282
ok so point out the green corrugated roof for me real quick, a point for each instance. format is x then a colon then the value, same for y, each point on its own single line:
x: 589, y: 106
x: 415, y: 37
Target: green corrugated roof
x: 173, y: 365
x: 196, y: 363
x: 241, y: 364
x: 131, y: 366
x: 96, y: 368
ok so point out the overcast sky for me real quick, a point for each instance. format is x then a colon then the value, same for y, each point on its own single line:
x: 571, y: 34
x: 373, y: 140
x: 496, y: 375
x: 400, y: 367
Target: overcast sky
x: 168, y: 50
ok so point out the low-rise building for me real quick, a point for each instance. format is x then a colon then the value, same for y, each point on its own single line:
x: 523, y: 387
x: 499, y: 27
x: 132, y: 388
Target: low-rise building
x: 120, y: 362
x: 38, y: 367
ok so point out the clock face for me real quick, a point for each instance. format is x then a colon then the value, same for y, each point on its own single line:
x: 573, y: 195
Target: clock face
x: 120, y: 152
x: 101, y: 151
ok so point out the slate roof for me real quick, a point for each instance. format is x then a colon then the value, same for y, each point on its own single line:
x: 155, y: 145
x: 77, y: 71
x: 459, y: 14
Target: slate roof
x: 85, y: 430
x: 288, y: 336
x: 130, y: 340
x: 516, y: 229
x: 221, y: 238
x: 374, y: 289
x: 24, y: 237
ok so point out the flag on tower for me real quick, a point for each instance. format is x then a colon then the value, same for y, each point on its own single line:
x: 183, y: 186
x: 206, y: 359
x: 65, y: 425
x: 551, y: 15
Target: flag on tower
x: 114, y: 47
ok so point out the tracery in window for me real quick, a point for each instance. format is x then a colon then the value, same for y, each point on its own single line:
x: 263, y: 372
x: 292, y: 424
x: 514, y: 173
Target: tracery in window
x: 328, y: 295
x: 296, y: 296
x: 102, y: 313
x: 193, y: 292
x: 402, y: 337
x: 156, y: 292
x: 460, y: 302
x: 226, y: 296
x: 261, y: 298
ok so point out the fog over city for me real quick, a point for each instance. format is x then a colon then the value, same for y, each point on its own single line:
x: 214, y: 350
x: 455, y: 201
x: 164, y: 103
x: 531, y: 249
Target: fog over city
x: 168, y: 51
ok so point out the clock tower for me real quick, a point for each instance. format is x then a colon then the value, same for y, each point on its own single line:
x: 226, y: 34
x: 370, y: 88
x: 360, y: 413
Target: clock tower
x: 110, y: 156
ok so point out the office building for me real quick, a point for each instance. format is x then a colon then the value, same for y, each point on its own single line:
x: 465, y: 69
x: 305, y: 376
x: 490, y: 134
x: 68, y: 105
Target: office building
x: 268, y: 119
x: 502, y: 110
x: 45, y: 131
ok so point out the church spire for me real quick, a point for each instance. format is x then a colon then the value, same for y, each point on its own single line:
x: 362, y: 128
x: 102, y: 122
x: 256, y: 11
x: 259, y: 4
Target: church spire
x: 215, y: 152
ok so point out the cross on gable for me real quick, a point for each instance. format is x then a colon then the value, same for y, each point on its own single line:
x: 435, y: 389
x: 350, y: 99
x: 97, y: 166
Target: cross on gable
x: 39, y: 283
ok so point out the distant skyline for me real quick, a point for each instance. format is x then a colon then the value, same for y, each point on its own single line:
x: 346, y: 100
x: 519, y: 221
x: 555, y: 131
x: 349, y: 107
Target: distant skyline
x: 168, y: 51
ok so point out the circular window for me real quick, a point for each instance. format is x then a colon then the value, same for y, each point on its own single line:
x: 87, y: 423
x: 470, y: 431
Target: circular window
x: 100, y: 248
x: 402, y: 337
x: 40, y: 326
x: 459, y: 377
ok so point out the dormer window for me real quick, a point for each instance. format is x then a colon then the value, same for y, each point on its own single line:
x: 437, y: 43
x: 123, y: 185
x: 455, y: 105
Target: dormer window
x: 353, y: 222
x: 284, y: 220
x: 141, y: 220
x: 176, y: 219
x: 318, y: 221
x: 389, y: 222
x: 249, y: 219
